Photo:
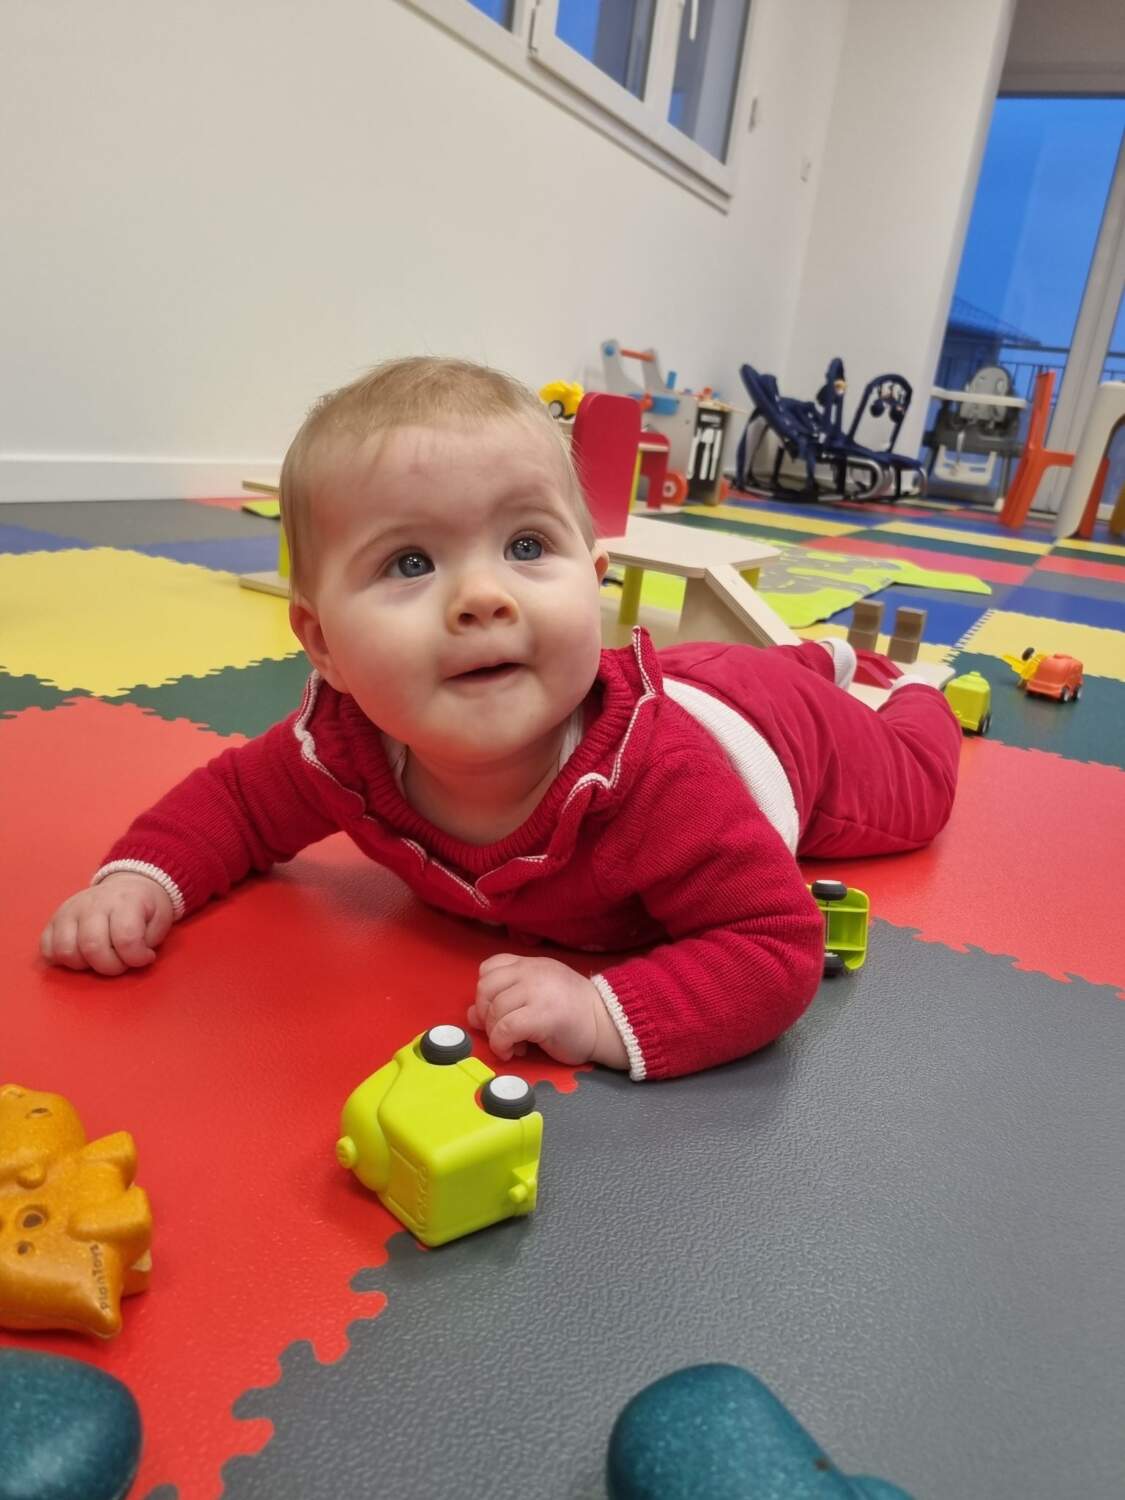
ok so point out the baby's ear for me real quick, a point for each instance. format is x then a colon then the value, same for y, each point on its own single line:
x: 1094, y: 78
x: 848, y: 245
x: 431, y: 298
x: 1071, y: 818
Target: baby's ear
x: 601, y: 561
x: 306, y: 627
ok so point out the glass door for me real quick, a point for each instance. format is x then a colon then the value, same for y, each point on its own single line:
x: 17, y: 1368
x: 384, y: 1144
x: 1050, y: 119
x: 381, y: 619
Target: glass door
x: 1114, y: 369
x: 1040, y: 275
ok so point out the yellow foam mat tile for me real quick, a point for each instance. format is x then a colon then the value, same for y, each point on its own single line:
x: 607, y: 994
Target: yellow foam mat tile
x: 1076, y: 544
x: 761, y: 515
x: 108, y: 620
x: 1000, y: 633
x: 962, y: 538
x: 928, y: 651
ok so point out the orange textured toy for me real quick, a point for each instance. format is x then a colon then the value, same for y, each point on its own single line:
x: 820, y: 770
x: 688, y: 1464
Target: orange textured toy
x: 74, y: 1231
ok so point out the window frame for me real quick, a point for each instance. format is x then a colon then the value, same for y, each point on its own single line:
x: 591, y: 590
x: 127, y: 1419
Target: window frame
x: 532, y: 50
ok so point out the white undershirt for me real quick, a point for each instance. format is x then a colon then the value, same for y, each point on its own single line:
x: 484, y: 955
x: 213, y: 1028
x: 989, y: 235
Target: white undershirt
x: 572, y: 738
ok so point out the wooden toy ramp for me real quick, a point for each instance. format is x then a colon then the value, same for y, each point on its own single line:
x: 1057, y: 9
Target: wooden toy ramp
x: 720, y: 603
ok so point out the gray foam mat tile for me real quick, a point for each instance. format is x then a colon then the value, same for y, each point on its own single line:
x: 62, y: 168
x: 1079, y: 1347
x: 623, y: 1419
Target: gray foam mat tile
x: 906, y: 1217
x: 134, y: 523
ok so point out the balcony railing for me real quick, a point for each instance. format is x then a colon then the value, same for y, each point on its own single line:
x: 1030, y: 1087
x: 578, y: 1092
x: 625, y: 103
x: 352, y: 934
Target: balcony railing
x: 957, y: 368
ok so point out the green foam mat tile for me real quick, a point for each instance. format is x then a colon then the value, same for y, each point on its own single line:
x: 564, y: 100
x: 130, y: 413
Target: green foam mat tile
x: 233, y: 700
x: 1091, y: 730
x: 26, y: 691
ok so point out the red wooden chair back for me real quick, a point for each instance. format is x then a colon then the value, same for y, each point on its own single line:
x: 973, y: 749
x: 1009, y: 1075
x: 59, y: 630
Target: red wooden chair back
x: 607, y: 431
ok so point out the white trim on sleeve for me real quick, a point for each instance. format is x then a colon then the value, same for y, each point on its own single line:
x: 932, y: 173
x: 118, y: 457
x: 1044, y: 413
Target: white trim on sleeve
x: 617, y: 1015
x: 154, y: 872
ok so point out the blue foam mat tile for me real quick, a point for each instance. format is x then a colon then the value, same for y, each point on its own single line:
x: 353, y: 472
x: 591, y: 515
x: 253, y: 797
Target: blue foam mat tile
x: 1078, y: 609
x: 25, y: 539
x: 235, y: 554
x: 948, y: 614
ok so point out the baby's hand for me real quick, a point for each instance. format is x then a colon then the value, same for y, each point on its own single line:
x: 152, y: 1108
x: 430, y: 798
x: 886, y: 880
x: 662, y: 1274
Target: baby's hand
x: 110, y: 927
x: 521, y: 1000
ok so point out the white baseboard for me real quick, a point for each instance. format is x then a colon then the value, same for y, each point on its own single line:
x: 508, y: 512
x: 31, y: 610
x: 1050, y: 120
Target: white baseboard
x: 46, y: 477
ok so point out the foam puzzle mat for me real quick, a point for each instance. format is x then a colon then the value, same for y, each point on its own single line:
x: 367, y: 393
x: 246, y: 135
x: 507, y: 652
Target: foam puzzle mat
x: 806, y: 585
x: 905, y: 1216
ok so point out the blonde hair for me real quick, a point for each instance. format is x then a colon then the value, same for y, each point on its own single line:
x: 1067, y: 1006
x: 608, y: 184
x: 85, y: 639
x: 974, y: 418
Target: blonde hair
x: 423, y: 390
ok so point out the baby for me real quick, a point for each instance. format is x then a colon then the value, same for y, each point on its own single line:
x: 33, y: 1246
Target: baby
x: 464, y: 727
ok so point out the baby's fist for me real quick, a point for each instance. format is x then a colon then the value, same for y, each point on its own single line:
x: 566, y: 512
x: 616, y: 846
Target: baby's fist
x: 540, y: 1000
x: 110, y: 927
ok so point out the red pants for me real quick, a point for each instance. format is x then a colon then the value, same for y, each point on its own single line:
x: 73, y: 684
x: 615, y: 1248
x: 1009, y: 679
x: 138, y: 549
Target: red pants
x: 891, y: 784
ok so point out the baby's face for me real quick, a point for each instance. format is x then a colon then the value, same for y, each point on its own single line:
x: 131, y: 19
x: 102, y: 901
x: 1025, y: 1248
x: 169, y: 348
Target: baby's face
x: 455, y: 595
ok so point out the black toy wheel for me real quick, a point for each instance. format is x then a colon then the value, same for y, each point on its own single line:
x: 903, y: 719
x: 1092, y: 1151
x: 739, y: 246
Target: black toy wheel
x: 985, y: 724
x: 1027, y: 653
x: 833, y: 964
x: 829, y: 890
x: 1077, y: 692
x: 1065, y: 696
x: 556, y: 409
x: 508, y: 1097
x: 445, y: 1044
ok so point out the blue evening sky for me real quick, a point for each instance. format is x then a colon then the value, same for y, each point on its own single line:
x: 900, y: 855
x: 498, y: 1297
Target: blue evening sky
x: 1039, y: 203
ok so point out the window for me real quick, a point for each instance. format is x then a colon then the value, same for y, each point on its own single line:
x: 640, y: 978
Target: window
x: 662, y: 77
x: 499, y: 10
x: 708, y: 53
x: 615, y: 37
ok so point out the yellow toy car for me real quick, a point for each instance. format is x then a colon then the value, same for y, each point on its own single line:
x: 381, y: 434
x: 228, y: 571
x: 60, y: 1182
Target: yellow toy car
x: 561, y: 397
x: 846, y: 913
x: 970, y: 698
x: 447, y: 1145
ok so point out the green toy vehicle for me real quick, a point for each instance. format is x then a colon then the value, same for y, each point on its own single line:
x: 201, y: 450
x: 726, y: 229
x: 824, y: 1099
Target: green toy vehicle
x: 970, y: 698
x: 447, y: 1145
x: 846, y: 912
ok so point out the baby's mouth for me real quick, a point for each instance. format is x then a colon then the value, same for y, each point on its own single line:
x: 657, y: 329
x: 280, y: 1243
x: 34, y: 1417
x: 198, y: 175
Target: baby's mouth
x: 488, y: 674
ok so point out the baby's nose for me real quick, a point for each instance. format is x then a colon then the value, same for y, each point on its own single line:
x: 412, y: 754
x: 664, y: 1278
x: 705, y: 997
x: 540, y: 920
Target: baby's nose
x: 480, y: 598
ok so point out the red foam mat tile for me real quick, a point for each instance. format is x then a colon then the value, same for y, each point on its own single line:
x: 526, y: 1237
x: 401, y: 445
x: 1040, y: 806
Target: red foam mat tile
x: 228, y: 1061
x: 1076, y: 568
x: 951, y: 562
x: 1027, y: 866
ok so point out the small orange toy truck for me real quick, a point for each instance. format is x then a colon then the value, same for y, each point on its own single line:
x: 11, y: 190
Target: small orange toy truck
x: 1048, y: 676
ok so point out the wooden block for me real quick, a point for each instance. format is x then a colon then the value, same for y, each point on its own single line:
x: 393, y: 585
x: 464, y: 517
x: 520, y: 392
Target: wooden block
x: 867, y: 621
x: 907, y: 635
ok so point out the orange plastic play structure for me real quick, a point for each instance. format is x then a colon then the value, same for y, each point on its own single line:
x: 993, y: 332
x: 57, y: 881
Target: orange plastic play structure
x: 74, y: 1229
x: 1036, y: 459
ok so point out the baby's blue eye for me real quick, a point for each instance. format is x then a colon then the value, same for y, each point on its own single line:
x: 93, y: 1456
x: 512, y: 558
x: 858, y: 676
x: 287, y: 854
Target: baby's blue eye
x: 412, y: 565
x: 526, y: 549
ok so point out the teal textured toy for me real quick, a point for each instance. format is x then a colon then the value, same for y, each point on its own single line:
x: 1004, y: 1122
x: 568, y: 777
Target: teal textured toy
x: 717, y: 1431
x: 447, y: 1145
x: 68, y: 1431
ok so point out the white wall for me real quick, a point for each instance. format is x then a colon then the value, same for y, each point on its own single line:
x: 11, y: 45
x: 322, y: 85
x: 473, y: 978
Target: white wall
x: 907, y: 132
x: 213, y: 212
